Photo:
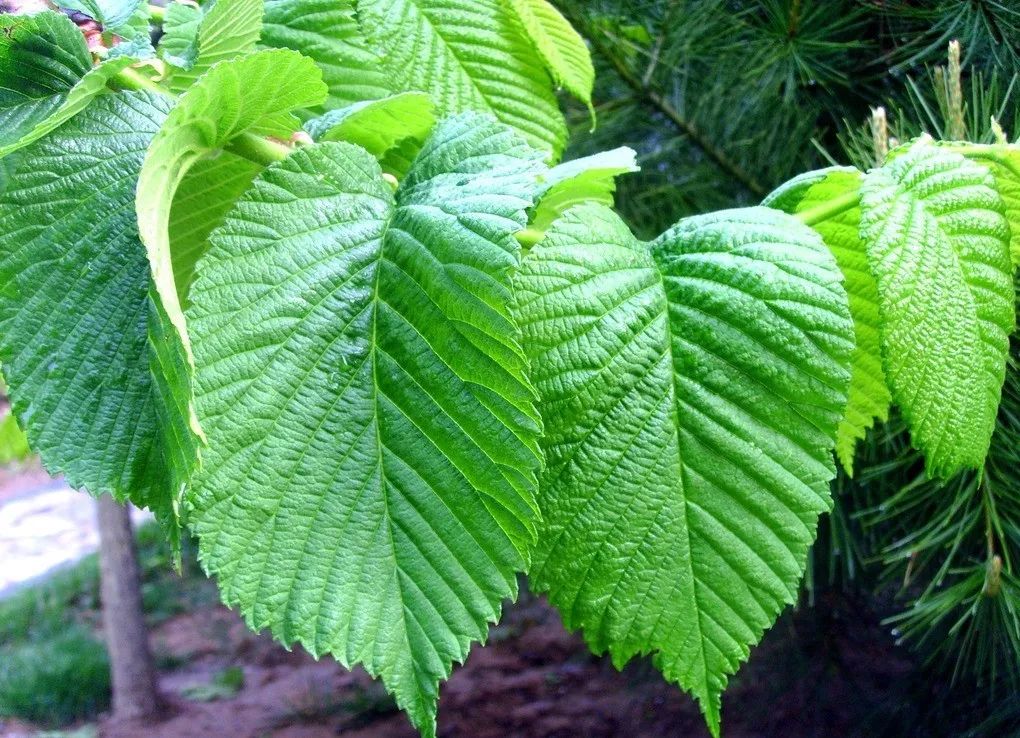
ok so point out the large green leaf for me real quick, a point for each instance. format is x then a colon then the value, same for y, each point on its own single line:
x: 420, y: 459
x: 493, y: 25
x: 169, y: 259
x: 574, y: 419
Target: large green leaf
x: 690, y: 390
x: 327, y: 31
x: 938, y: 245
x: 369, y: 485
x: 869, y: 396
x: 469, y: 55
x: 228, y: 30
x: 46, y: 76
x: 91, y: 369
x: 588, y: 179
x: 561, y: 48
x: 253, y: 93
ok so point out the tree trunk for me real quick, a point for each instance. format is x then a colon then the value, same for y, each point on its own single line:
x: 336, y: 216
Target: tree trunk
x: 133, y: 675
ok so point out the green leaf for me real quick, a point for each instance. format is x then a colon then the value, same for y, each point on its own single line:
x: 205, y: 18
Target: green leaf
x: 589, y: 179
x: 47, y: 76
x: 938, y: 245
x: 81, y: 343
x: 179, y: 43
x: 228, y: 30
x: 327, y: 31
x: 1003, y: 161
x: 560, y: 47
x: 369, y: 485
x: 116, y: 16
x: 869, y: 396
x: 469, y: 55
x: 378, y: 126
x: 253, y: 93
x: 690, y: 390
x: 13, y: 444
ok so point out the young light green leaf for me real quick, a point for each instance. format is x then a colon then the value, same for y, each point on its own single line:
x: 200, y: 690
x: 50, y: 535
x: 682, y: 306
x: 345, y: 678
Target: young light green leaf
x: 469, y: 55
x: 228, y: 30
x: 561, y: 48
x: 82, y: 345
x: 378, y: 126
x: 589, y: 179
x: 47, y: 76
x: 327, y: 31
x: 690, y: 391
x: 201, y: 202
x: 1003, y: 161
x: 938, y: 245
x: 179, y: 44
x: 869, y: 396
x: 373, y: 444
x: 253, y: 93
x: 13, y: 443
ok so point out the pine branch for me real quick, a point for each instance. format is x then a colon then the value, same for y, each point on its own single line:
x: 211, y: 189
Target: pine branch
x: 687, y: 127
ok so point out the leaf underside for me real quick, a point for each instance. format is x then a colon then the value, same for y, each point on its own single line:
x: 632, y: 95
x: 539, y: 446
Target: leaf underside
x: 80, y: 341
x: 382, y: 127
x: 938, y: 245
x: 369, y: 485
x: 254, y: 93
x: 869, y: 396
x: 588, y: 179
x: 690, y: 390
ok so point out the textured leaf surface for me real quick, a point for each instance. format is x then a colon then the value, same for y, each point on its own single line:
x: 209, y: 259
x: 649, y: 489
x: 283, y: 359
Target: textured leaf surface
x: 179, y: 44
x: 228, y: 30
x: 561, y: 48
x: 47, y: 76
x: 869, y: 396
x: 80, y: 342
x: 373, y: 445
x: 469, y: 55
x: 327, y: 31
x: 690, y: 390
x: 588, y: 179
x: 1004, y: 163
x: 378, y: 126
x: 938, y: 245
x: 253, y: 93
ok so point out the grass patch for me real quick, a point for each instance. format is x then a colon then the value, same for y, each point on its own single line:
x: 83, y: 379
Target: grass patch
x: 55, y: 681
x: 54, y: 669
x: 223, y: 685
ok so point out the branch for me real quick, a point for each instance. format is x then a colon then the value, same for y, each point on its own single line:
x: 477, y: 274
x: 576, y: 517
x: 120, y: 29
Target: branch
x: 686, y: 127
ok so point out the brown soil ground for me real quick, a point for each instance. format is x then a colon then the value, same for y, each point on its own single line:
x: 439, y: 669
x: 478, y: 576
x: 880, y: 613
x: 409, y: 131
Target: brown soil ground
x: 533, y: 680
